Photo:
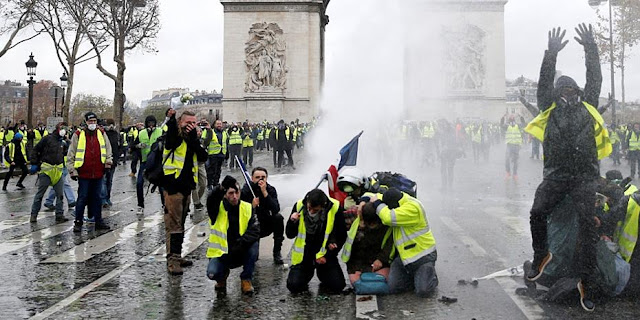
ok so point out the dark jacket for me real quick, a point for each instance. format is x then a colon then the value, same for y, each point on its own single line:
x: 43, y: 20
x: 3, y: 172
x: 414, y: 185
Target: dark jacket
x: 50, y: 150
x: 237, y: 243
x: 185, y: 182
x: 569, y: 145
x: 314, y: 241
x: 269, y: 205
x: 114, y: 138
x: 18, y: 158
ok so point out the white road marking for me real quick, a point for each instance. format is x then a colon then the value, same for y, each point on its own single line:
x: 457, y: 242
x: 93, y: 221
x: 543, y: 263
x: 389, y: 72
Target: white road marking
x: 473, y: 245
x: 366, y: 309
x: 42, y: 234
x: 528, y: 306
x: 90, y: 287
x: 23, y: 219
x: 104, y: 242
x: 192, y: 241
x: 17, y: 199
x: 516, y: 223
x: 122, y: 200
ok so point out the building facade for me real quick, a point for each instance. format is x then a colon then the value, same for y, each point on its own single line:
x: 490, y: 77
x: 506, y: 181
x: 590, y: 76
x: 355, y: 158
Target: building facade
x: 13, y: 102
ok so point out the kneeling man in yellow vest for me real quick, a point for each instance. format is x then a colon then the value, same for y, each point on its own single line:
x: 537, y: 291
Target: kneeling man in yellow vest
x: 317, y: 224
x: 234, y: 236
x: 414, y: 252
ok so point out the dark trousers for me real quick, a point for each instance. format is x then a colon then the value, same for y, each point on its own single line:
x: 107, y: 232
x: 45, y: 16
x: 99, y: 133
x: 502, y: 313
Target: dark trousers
x: 23, y: 175
x: 615, y: 154
x: 535, y: 148
x: 234, y: 150
x: 281, y: 153
x: 548, y: 196
x: 123, y: 154
x: 446, y: 171
x: 43, y: 183
x: 218, y: 268
x: 107, y: 184
x: 214, y: 169
x: 330, y: 275
x: 275, y: 159
x: 135, y: 157
x: 420, y: 275
x: 272, y: 224
x: 634, y: 162
x: 247, y: 156
x: 511, y: 159
x: 89, y: 196
x: 140, y: 184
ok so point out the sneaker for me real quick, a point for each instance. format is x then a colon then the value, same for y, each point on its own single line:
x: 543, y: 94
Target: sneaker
x: 20, y: 186
x: 140, y: 211
x: 247, y: 287
x: 77, y: 226
x: 72, y: 204
x: 49, y: 207
x: 585, y: 302
x: 90, y: 220
x: 507, y: 176
x: 515, y: 177
x: 102, y: 226
x: 60, y: 219
x: 535, y: 274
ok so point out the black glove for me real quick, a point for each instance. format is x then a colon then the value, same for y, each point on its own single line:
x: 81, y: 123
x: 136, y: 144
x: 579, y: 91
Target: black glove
x: 74, y: 178
x: 229, y: 182
x: 555, y: 40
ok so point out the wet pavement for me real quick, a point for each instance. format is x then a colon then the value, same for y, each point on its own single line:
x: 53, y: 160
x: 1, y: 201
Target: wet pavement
x: 482, y: 226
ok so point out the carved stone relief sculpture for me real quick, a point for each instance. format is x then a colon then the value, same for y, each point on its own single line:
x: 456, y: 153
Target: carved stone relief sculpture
x: 265, y: 59
x: 464, y: 58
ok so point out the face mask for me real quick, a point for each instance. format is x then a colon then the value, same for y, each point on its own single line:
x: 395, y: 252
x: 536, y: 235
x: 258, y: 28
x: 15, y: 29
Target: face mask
x: 92, y: 126
x: 62, y: 132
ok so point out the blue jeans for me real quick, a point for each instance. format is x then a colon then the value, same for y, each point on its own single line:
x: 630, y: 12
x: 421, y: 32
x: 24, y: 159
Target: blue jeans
x: 218, y: 268
x: 140, y: 184
x: 68, y: 191
x: 107, y: 182
x: 89, y: 196
x: 419, y: 275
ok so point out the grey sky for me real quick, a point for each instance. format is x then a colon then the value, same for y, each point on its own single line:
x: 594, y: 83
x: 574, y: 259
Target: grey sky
x: 190, y: 48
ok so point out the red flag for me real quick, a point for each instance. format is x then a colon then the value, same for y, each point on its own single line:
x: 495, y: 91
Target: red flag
x: 332, y: 181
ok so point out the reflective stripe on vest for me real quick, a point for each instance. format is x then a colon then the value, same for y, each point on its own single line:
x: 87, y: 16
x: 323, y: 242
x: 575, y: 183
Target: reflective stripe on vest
x: 218, y: 234
x: 247, y: 142
x: 538, y: 125
x: 235, y: 138
x: 297, y: 253
x: 82, y: 145
x: 215, y: 147
x: 513, y: 135
x: 627, y: 235
x: 175, y: 162
x: 39, y: 136
x: 53, y: 171
x: 634, y: 142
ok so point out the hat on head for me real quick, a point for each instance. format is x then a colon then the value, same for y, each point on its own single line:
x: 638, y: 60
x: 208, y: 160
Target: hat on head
x: 90, y: 116
x: 18, y: 135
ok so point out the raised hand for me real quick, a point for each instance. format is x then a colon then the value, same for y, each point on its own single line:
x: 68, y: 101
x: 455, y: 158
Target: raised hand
x: 586, y: 34
x: 555, y: 39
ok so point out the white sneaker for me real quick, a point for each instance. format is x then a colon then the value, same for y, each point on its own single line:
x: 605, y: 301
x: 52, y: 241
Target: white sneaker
x: 140, y: 210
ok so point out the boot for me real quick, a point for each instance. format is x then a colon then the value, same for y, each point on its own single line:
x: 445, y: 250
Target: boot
x: 173, y: 265
x: 277, y: 246
x: 33, y: 218
x: 59, y: 218
x: 222, y: 284
x: 247, y: 287
x: 185, y: 263
x: 77, y: 226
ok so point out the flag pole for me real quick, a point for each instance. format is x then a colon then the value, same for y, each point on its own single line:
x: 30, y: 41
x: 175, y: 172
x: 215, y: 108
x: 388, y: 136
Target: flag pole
x: 244, y: 175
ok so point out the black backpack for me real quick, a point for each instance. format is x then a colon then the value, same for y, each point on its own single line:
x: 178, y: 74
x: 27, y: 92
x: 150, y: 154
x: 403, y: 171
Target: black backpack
x: 153, y: 171
x: 386, y: 180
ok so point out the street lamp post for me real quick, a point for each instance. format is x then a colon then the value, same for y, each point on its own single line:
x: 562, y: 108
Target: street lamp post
x: 594, y: 4
x: 55, y: 101
x: 31, y: 72
x: 63, y: 83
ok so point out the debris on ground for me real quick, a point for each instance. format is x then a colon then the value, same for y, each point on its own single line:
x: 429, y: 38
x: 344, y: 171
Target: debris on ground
x: 445, y: 299
x: 367, y: 298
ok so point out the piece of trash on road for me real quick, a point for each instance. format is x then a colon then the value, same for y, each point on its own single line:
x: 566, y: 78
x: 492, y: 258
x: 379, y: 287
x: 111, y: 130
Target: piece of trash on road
x: 201, y: 234
x: 367, y: 298
x: 445, y: 299
x: 407, y: 313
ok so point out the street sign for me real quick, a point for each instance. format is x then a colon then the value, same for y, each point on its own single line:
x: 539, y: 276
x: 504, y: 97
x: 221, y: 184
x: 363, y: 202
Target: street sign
x: 52, y: 121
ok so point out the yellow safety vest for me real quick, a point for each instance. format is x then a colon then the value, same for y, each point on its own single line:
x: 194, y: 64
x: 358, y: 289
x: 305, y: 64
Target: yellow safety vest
x: 297, y: 253
x: 175, y: 162
x: 39, y: 136
x: 260, y: 136
x: 235, y: 138
x: 630, y: 190
x: 351, y: 236
x: 538, y: 125
x: 53, y: 171
x: 82, y: 144
x: 476, y: 135
x: 247, y: 142
x: 513, y: 135
x: 12, y: 153
x: 428, y: 132
x: 215, y: 147
x: 143, y: 137
x: 165, y: 128
x: 295, y: 134
x: 286, y: 133
x: 218, y: 245
x: 412, y: 236
x: 125, y: 143
x: 627, y: 235
x: 8, y: 136
x: 614, y: 137
x: 1, y: 136
x: 634, y: 142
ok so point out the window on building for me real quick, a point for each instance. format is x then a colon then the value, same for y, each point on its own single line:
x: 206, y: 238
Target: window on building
x: 210, y: 112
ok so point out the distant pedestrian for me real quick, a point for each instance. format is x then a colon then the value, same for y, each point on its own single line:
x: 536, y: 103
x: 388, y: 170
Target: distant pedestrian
x: 15, y: 156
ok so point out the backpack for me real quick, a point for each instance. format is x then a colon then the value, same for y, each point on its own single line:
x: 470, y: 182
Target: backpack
x: 153, y: 171
x: 386, y: 180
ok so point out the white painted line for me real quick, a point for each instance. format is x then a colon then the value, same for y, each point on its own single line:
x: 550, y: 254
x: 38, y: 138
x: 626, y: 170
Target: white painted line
x: 366, y: 309
x: 104, y: 242
x: 80, y: 293
x: 90, y: 287
x: 42, y: 234
x: 473, y: 245
x: 17, y: 199
x: 191, y: 242
x: 528, y: 306
x: 123, y: 200
x: 452, y: 225
x: 516, y: 223
x: 24, y: 219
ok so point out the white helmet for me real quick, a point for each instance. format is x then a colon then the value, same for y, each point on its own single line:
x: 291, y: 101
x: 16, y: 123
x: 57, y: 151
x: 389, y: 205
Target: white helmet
x: 353, y: 176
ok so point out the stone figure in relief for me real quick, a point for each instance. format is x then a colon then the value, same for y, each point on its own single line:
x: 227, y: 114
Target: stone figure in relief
x: 464, y: 58
x: 265, y: 58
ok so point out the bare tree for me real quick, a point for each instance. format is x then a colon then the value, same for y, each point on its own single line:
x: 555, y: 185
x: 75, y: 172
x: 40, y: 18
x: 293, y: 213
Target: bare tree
x: 58, y: 19
x: 129, y: 25
x: 15, y: 17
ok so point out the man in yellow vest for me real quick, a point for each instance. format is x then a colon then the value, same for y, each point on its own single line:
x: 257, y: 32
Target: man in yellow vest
x: 39, y: 132
x: 2, y: 142
x: 413, y: 266
x: 247, y: 145
x: 235, y: 145
x: 317, y: 225
x: 182, y: 151
x: 633, y: 149
x: 146, y: 137
x: 15, y: 156
x: 48, y: 160
x: 574, y: 138
x: 88, y: 156
x: 217, y: 151
x: 513, y: 138
x: 234, y: 238
x: 136, y: 156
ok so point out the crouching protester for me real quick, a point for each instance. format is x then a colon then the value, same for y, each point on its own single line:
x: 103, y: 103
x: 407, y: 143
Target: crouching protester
x: 234, y: 237
x: 414, y: 245
x: 366, y: 252
x: 317, y: 224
